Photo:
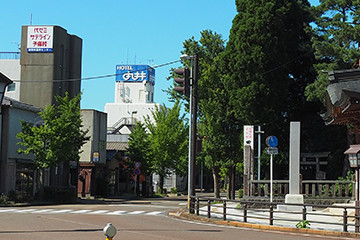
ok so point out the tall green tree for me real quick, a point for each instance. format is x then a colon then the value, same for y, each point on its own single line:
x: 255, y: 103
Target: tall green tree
x: 139, y: 151
x: 168, y: 141
x: 58, y: 139
x: 221, y: 147
x: 335, y: 40
x: 268, y: 63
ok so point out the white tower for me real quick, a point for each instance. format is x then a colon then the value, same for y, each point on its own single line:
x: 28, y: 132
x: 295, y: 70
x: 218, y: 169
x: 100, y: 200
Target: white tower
x: 134, y: 95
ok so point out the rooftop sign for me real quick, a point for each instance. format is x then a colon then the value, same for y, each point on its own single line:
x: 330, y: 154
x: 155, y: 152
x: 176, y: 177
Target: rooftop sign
x: 135, y: 73
x: 40, y: 38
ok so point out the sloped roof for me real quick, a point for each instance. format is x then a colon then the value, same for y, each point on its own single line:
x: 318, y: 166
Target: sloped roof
x: 20, y: 105
x: 343, y: 98
x: 119, y: 146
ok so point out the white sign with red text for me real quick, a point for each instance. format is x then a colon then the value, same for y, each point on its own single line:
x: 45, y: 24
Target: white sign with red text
x: 40, y: 39
x: 249, y: 135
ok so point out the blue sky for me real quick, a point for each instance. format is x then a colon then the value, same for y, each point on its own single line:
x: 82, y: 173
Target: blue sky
x: 120, y: 32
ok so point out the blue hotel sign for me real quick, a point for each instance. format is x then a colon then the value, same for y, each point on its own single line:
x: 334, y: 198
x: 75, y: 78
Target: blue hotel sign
x: 135, y: 73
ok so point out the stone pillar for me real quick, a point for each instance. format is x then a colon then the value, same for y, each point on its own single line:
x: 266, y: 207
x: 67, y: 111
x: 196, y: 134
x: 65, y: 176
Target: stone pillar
x: 294, y: 161
x: 294, y: 195
x: 247, y: 160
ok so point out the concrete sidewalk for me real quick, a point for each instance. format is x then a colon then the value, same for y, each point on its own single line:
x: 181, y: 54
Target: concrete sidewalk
x: 322, y: 222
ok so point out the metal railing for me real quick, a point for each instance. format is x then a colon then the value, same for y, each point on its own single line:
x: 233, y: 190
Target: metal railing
x: 329, y: 217
x: 310, y: 188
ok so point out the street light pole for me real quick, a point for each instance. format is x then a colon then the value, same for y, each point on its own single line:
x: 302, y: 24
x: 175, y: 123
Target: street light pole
x: 192, y: 128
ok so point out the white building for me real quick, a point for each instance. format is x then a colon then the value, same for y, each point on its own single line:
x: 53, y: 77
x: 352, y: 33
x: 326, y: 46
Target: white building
x: 134, y: 96
x: 10, y: 67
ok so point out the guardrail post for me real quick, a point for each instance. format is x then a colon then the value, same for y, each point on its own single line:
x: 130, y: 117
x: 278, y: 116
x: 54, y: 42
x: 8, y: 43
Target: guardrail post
x: 224, y: 211
x: 345, y: 224
x: 271, y: 215
x: 197, y: 206
x: 304, y: 213
x: 245, y: 212
x: 208, y: 209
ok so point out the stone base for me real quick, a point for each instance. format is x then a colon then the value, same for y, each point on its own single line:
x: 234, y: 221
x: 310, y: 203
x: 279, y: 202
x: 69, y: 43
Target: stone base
x: 293, y: 199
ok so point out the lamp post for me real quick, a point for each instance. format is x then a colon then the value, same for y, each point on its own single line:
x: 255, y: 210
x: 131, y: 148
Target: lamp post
x: 192, y: 128
x: 354, y: 160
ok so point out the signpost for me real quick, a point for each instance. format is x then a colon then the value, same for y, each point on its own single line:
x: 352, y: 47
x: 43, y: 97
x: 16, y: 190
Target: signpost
x: 271, y: 142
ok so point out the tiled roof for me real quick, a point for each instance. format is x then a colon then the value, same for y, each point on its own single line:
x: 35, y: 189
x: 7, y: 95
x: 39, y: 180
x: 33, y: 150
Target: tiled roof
x: 120, y: 146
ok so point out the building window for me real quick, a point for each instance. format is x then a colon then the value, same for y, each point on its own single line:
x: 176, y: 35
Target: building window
x: 11, y: 87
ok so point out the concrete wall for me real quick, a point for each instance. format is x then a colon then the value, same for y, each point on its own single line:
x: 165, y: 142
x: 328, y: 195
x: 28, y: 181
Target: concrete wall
x: 116, y: 111
x: 40, y: 69
x: 134, y: 92
x: 11, y: 127
x: 95, y: 122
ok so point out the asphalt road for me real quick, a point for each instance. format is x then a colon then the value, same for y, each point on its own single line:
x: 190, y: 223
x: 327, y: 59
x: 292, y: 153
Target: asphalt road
x: 136, y: 220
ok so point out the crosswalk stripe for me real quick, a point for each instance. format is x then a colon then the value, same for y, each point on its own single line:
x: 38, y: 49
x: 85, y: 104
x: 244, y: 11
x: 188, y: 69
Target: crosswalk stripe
x: 153, y: 213
x: 117, y: 213
x: 136, y: 212
x: 62, y: 211
x: 98, y: 212
x: 81, y: 211
x: 7, y: 210
x: 43, y: 211
x: 25, y: 210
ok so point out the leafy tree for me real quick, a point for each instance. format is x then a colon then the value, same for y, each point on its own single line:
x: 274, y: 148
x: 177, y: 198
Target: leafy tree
x: 138, y: 147
x: 335, y: 39
x: 168, y: 141
x: 268, y: 63
x: 58, y: 139
x: 216, y: 119
x: 139, y: 150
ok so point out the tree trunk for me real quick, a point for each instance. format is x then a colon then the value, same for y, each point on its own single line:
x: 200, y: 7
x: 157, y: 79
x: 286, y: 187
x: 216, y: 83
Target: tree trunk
x: 161, y: 183
x: 216, y: 184
x: 231, y: 183
x: 41, y: 183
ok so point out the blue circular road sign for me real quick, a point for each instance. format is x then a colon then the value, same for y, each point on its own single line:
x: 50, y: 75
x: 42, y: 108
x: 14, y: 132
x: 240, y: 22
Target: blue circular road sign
x: 271, y: 141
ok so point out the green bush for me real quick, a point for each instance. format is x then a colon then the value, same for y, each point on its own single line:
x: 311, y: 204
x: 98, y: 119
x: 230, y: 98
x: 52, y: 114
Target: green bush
x: 241, y: 193
x: 303, y: 224
x: 173, y: 190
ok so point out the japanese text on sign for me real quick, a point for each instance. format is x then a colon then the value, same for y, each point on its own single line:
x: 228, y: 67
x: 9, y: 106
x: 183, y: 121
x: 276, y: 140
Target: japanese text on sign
x: 40, y: 39
x: 249, y: 135
x: 135, y: 73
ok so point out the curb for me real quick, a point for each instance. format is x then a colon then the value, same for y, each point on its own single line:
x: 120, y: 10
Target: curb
x: 186, y: 215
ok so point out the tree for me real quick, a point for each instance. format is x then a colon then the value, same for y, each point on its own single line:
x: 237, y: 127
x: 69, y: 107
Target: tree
x: 221, y: 147
x: 168, y: 141
x: 268, y: 63
x: 139, y: 150
x: 336, y: 41
x: 58, y: 139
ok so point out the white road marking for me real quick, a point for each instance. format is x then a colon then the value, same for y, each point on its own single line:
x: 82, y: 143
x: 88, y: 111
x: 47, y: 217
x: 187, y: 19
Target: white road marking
x: 136, y: 212
x: 62, y: 211
x: 8, y: 210
x: 43, y: 211
x: 98, y: 212
x: 153, y: 213
x: 117, y: 213
x: 81, y: 211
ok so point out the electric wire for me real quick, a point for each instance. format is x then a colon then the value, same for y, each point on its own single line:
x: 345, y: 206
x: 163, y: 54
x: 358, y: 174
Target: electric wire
x: 95, y: 77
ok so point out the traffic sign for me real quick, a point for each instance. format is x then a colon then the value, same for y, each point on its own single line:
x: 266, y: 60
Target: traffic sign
x: 137, y: 164
x: 137, y: 171
x: 272, y: 150
x: 271, y: 141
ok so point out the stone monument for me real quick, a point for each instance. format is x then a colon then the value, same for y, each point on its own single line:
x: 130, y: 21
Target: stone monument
x: 294, y: 195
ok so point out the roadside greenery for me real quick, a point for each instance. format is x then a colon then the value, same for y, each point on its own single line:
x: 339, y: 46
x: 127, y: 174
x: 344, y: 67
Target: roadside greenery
x: 57, y: 140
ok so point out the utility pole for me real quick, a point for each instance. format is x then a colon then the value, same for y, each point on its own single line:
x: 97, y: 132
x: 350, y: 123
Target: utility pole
x: 194, y: 96
x: 188, y: 87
